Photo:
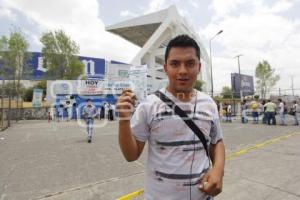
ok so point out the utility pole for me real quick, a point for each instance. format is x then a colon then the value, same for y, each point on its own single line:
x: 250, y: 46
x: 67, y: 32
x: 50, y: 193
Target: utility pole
x: 279, y: 92
x: 240, y: 82
x: 293, y: 86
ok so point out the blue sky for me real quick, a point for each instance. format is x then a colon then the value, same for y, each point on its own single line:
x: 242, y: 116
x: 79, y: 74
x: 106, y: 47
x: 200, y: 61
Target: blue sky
x: 258, y: 29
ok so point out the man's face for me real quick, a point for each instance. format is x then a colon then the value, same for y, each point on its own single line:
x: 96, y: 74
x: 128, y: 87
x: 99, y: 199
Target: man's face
x: 182, y: 68
x: 89, y: 103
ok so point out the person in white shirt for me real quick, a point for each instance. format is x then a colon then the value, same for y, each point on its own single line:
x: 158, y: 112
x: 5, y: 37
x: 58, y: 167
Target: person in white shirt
x: 295, y: 109
x: 177, y: 166
x: 282, y: 113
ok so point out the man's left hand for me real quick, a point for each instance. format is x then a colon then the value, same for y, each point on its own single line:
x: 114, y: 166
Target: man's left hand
x: 212, y: 182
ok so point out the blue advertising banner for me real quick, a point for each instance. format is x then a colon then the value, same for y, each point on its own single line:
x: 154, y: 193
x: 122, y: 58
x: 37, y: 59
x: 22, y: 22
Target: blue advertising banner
x: 94, y: 67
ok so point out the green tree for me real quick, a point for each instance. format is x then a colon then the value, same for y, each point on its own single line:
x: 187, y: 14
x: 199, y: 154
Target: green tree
x: 10, y: 89
x: 28, y: 93
x: 266, y: 78
x: 18, y: 56
x: 3, y: 61
x: 59, y: 56
x: 198, y: 85
x: 226, y: 92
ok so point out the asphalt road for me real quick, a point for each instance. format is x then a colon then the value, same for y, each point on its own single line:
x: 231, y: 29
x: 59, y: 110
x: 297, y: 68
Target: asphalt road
x: 53, y: 161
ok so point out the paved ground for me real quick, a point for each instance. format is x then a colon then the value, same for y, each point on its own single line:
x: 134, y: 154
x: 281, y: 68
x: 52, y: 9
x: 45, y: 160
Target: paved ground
x: 54, y: 162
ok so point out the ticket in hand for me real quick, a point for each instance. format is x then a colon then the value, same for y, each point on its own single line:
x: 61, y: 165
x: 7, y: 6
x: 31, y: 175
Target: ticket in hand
x: 138, y: 81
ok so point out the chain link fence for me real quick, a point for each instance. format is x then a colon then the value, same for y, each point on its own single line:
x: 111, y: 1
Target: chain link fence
x: 10, y: 110
x: 5, y: 106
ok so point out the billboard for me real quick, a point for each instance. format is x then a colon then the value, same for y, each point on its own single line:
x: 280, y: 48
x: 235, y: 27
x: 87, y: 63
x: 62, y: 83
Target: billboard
x: 93, y: 67
x: 246, y: 85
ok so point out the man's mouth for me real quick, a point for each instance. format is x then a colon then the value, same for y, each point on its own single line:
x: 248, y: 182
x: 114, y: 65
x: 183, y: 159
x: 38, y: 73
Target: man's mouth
x: 182, y: 79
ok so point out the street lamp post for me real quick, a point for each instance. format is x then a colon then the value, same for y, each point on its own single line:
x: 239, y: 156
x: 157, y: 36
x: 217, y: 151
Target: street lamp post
x: 211, y: 74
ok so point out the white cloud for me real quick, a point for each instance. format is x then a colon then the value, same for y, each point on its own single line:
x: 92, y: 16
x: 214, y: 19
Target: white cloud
x: 281, y: 6
x: 260, y: 34
x: 79, y: 19
x: 7, y: 13
x: 224, y: 8
x: 156, y: 5
x: 128, y: 13
x: 194, y: 3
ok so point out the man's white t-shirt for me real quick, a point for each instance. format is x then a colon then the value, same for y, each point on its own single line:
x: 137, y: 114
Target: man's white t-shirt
x: 176, y: 157
x: 281, y: 107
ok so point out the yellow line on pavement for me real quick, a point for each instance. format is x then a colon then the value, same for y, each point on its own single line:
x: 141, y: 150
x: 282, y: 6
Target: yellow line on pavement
x: 132, y: 195
x: 230, y: 156
x: 260, y: 145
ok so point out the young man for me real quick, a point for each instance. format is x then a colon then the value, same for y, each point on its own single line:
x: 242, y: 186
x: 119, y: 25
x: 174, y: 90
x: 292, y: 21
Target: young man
x: 89, y: 113
x: 177, y: 165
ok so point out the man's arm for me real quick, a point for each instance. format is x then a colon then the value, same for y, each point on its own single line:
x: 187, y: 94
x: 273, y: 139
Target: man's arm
x: 130, y: 146
x: 217, y: 153
x: 212, y: 182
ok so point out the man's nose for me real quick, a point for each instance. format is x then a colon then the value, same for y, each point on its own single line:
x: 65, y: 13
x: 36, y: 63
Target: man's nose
x: 182, y: 69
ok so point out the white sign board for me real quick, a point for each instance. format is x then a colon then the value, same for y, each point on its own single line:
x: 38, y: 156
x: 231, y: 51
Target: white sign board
x: 37, y: 98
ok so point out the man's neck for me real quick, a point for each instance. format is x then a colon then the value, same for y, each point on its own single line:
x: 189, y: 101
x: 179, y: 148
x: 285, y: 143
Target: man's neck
x: 185, y: 96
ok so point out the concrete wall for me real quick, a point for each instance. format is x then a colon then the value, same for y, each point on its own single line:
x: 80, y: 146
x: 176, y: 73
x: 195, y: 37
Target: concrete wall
x: 29, y: 113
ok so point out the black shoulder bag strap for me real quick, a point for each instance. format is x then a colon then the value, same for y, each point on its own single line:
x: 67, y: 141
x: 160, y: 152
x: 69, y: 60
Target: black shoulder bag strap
x: 178, y: 111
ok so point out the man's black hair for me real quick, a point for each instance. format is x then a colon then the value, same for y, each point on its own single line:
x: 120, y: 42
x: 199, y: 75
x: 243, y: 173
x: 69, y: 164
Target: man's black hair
x: 88, y: 100
x: 182, y: 41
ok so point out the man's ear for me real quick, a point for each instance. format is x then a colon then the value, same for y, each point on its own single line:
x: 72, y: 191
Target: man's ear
x: 199, y: 67
x: 165, y: 68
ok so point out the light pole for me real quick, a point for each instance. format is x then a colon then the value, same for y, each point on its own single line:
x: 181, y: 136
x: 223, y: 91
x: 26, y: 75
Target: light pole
x: 211, y: 74
x: 240, y: 82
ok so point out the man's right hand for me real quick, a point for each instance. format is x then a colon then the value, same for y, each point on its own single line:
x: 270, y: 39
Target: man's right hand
x: 125, y: 104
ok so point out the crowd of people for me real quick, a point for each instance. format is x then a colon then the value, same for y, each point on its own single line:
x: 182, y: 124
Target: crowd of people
x: 268, y: 109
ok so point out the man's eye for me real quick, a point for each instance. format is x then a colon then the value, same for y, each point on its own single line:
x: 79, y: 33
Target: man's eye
x: 174, y: 64
x: 191, y: 64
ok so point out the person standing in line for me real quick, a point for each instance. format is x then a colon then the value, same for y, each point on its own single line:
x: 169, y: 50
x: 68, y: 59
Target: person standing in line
x: 177, y: 165
x: 294, y: 110
x: 244, y: 112
x: 270, y: 109
x: 263, y: 109
x: 102, y: 112
x: 254, y: 108
x: 229, y: 112
x: 60, y: 112
x: 69, y: 110
x: 89, y: 113
x: 282, y: 112
x: 110, y: 112
x: 225, y: 112
x: 106, y: 114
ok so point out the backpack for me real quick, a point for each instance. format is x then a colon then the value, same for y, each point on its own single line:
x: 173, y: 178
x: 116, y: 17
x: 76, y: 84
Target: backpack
x: 254, y: 105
